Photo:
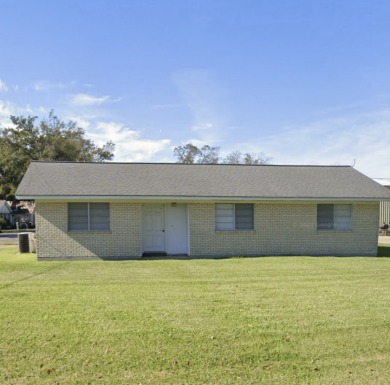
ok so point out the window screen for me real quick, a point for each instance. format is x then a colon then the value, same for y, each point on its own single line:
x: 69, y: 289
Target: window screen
x: 324, y: 217
x: 244, y: 216
x: 78, y: 216
x: 233, y: 216
x: 88, y: 216
x: 334, y: 217
x: 342, y: 217
x: 99, y: 214
x: 224, y: 216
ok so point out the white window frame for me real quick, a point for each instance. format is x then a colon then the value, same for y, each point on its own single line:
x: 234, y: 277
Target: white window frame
x: 340, y: 217
x: 92, y: 210
x: 226, y: 216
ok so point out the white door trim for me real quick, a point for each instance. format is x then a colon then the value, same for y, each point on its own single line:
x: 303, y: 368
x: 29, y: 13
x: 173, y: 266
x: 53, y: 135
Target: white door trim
x: 175, y: 232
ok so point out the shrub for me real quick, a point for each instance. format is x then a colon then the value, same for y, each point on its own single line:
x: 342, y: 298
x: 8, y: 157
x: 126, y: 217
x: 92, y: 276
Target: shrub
x: 3, y: 223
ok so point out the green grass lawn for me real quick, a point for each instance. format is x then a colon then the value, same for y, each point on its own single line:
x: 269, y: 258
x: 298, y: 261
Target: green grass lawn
x: 271, y: 320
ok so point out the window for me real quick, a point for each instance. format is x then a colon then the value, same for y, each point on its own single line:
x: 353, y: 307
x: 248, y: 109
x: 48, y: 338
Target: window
x: 334, y: 217
x: 234, y: 216
x: 88, y: 216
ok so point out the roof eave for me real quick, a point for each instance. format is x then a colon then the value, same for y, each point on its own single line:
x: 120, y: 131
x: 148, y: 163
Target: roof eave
x: 194, y: 198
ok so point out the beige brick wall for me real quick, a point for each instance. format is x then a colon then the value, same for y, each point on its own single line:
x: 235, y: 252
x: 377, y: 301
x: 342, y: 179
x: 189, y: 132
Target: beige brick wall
x: 279, y: 229
x: 55, y: 241
x: 284, y: 229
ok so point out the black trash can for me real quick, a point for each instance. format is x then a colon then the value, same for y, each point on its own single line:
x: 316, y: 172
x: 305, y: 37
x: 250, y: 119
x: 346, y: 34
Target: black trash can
x: 24, y: 242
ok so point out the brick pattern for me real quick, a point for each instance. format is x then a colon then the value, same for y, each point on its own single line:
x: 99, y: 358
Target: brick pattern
x: 279, y: 229
x: 284, y: 229
x: 55, y: 241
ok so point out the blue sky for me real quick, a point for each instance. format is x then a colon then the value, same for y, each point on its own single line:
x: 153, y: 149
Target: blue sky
x: 305, y: 82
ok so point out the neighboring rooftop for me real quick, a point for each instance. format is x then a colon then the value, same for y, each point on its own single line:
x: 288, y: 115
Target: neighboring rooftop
x: 4, y: 207
x: 72, y: 180
x: 383, y: 181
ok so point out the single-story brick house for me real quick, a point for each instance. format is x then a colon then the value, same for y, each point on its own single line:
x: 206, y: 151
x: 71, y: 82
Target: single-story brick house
x: 131, y: 210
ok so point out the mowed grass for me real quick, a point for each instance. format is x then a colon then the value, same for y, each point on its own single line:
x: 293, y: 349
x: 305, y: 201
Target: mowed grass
x: 273, y: 320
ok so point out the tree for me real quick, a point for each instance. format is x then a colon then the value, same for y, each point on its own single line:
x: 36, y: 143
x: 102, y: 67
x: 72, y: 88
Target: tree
x: 208, y: 155
x: 186, y: 153
x: 236, y: 157
x: 49, y: 139
x: 190, y: 153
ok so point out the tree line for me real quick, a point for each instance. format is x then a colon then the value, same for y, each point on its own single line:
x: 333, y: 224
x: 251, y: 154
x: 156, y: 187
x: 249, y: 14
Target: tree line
x: 49, y: 139
x: 189, y: 153
x: 52, y: 139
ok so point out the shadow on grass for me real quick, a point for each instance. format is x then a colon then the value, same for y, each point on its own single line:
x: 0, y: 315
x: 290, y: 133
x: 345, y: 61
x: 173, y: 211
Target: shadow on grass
x: 384, y: 251
x: 33, y: 275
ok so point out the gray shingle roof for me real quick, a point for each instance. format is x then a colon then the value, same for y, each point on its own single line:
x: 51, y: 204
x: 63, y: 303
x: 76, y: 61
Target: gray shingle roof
x: 120, y: 180
x: 4, y: 208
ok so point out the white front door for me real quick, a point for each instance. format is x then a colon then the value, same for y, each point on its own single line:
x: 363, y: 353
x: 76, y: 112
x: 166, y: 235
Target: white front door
x: 165, y: 229
x: 153, y: 228
x: 176, y: 229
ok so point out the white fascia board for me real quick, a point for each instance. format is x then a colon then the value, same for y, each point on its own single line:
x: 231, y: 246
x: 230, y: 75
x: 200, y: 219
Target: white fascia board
x: 69, y: 198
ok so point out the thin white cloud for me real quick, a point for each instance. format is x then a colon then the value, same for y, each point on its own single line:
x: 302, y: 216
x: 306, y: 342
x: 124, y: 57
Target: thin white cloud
x: 129, y: 144
x: 168, y: 105
x: 44, y: 85
x: 205, y: 126
x: 81, y: 121
x: 202, y: 94
x: 43, y: 111
x: 3, y: 86
x: 205, y: 133
x: 91, y: 100
x: 362, y: 140
x: 6, y: 110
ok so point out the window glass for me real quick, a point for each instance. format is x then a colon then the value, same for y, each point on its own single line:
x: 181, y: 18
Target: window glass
x: 99, y: 216
x: 230, y: 216
x: 244, y: 216
x: 88, y: 216
x: 342, y: 217
x: 224, y: 216
x: 78, y: 216
x: 324, y: 217
x: 334, y: 217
